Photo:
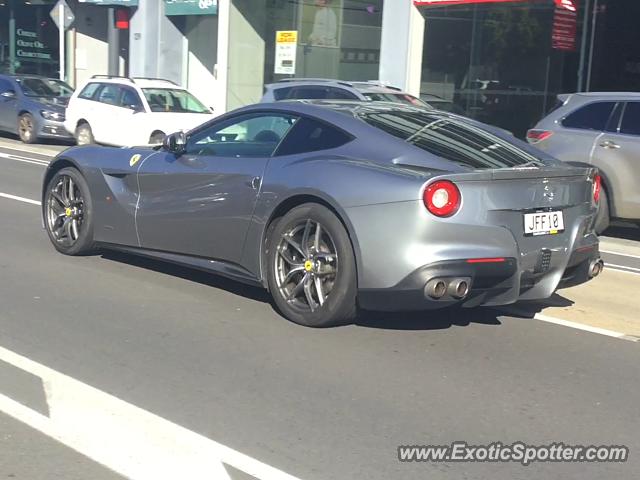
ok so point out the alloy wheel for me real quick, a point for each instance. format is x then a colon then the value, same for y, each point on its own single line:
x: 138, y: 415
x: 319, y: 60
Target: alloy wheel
x: 306, y: 265
x: 26, y: 128
x: 65, y: 211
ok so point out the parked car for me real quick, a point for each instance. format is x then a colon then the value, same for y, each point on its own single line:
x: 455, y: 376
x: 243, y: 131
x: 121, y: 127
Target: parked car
x: 440, y: 103
x: 602, y: 130
x: 123, y: 111
x: 330, y: 205
x: 33, y: 107
x: 326, y: 89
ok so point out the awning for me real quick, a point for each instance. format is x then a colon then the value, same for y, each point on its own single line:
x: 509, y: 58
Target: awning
x: 190, y: 7
x: 568, y: 4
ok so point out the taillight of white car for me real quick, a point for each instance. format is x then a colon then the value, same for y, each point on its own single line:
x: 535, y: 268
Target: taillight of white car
x: 535, y: 136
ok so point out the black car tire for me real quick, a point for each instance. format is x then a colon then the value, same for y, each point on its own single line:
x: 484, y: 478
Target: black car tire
x: 84, y: 243
x: 156, y: 138
x: 602, y: 216
x: 26, y: 128
x: 84, y: 134
x: 339, y: 306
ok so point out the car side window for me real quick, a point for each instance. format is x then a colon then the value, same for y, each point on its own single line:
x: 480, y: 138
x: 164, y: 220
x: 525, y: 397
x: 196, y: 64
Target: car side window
x: 251, y: 135
x: 593, y: 116
x: 130, y: 99
x: 631, y: 119
x: 282, y: 93
x: 309, y: 93
x: 89, y: 91
x: 109, y: 94
x: 340, y: 94
x: 309, y: 135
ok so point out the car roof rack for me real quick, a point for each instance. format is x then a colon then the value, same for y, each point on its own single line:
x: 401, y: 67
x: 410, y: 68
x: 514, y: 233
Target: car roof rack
x: 112, y: 76
x: 133, y: 80
x: 378, y: 83
x: 323, y: 80
x: 156, y: 79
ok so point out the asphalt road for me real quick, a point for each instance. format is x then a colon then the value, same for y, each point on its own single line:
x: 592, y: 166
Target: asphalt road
x: 212, y: 356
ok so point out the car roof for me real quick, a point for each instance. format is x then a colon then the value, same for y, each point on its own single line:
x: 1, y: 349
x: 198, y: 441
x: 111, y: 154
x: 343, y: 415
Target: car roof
x: 142, y: 82
x: 361, y: 86
x: 608, y: 94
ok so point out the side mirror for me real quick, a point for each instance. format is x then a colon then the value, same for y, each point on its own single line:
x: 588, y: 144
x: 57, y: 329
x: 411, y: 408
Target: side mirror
x: 8, y: 95
x: 175, y: 143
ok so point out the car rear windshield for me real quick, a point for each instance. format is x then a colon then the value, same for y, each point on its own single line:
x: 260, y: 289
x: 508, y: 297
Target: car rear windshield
x: 44, y: 87
x: 451, y: 139
x: 173, y: 100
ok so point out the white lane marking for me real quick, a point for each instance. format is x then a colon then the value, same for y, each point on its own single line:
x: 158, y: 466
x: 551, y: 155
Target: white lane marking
x: 125, y: 438
x: 586, y: 328
x: 619, y: 254
x: 19, y: 199
x: 17, y: 158
x: 622, y: 268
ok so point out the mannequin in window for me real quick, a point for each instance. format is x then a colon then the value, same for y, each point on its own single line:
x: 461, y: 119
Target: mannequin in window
x: 325, y: 25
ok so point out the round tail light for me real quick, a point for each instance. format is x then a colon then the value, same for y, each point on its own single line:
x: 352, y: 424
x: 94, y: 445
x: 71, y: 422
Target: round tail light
x: 442, y: 198
x: 597, y: 186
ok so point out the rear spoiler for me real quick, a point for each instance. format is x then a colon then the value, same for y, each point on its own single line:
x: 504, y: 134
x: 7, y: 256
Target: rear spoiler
x: 564, y: 97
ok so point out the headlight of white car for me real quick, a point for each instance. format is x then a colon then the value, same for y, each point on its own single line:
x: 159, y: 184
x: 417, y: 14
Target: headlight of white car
x: 49, y: 115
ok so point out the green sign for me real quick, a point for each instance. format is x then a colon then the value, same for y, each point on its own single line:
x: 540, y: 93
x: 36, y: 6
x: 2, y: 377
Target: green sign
x: 190, y: 7
x: 120, y: 3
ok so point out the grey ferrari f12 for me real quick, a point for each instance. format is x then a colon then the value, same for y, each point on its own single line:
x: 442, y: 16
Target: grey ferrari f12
x: 332, y: 206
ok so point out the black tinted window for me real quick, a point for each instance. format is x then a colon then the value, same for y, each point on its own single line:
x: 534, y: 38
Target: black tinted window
x: 309, y: 93
x: 281, y: 93
x: 340, y: 94
x: 309, y: 135
x: 450, y: 139
x: 89, y: 91
x: 631, y: 120
x: 593, y: 116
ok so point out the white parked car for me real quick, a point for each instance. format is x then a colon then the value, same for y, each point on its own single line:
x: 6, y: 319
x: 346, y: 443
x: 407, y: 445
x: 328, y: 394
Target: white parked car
x: 125, y: 111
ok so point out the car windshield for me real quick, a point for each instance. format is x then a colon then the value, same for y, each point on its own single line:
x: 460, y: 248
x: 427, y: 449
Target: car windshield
x: 44, y: 87
x: 173, y: 100
x: 450, y: 138
x: 404, y: 98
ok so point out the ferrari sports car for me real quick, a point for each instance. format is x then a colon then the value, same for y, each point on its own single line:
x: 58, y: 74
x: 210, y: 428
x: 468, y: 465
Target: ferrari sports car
x: 334, y: 206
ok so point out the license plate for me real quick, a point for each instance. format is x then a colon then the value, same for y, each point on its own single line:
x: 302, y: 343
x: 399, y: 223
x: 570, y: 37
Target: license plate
x: 543, y: 223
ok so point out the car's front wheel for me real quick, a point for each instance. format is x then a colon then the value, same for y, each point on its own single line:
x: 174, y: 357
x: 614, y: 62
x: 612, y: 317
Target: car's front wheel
x: 68, y: 213
x: 26, y: 128
x: 311, y: 267
x: 156, y: 138
x: 84, y: 134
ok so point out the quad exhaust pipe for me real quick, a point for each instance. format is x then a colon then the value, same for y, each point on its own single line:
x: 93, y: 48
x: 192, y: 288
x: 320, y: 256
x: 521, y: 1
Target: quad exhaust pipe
x: 457, y: 288
x: 595, y: 267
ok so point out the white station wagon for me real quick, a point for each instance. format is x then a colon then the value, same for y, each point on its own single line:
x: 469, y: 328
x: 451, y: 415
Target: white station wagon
x: 124, y: 111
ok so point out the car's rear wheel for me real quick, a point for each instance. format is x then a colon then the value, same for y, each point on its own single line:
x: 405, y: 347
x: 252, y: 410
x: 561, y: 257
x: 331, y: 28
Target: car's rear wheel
x: 602, y: 217
x: 26, y: 128
x: 311, y: 268
x: 68, y: 213
x: 84, y: 134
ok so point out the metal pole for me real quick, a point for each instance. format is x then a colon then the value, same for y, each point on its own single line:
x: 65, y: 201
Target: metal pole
x: 113, y: 37
x: 61, y: 50
x: 12, y: 39
x: 594, y: 20
x: 583, y: 45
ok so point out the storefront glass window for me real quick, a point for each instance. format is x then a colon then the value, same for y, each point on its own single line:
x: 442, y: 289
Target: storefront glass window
x: 496, y: 62
x: 28, y: 38
x: 337, y: 39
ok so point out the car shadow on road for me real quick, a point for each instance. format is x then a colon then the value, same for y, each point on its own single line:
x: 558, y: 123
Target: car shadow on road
x: 41, y: 141
x: 624, y: 231
x: 190, y: 274
x: 428, y: 320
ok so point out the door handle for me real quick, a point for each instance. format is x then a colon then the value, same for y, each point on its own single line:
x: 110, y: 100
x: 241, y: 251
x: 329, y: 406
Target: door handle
x: 255, y: 183
x: 609, y: 144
